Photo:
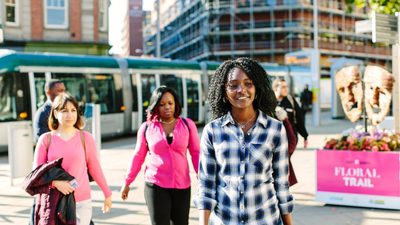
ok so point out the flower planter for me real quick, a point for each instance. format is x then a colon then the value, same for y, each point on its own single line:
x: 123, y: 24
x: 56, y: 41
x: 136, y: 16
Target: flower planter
x: 358, y: 178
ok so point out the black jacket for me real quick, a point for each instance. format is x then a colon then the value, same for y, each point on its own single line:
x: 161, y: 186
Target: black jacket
x: 296, y: 119
x: 52, y: 207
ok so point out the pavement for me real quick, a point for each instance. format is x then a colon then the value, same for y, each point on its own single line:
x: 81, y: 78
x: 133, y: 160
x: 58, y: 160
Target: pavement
x: 15, y: 203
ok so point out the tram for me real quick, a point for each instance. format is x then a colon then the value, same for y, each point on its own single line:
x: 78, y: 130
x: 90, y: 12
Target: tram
x: 121, y: 86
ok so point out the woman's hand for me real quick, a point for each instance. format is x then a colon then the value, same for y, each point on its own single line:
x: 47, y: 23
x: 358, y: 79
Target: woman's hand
x: 63, y: 186
x: 287, y: 219
x: 124, y: 192
x: 107, y: 205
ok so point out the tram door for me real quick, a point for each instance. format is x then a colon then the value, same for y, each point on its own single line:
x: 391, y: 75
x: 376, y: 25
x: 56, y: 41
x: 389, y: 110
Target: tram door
x: 148, y: 86
x: 41, y: 97
x: 193, y: 101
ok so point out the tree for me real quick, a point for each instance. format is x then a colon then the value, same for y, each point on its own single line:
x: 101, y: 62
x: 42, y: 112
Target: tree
x: 380, y: 6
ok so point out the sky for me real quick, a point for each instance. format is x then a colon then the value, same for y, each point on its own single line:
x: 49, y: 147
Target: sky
x: 116, y: 18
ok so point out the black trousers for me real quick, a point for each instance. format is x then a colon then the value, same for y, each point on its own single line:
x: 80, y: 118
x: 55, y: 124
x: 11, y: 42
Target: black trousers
x: 167, y: 206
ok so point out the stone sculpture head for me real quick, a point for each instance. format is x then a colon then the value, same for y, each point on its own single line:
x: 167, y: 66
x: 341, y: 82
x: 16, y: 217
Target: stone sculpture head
x: 378, y: 93
x: 349, y: 86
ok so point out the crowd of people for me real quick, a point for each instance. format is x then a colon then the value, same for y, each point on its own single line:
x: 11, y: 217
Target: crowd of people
x: 242, y: 159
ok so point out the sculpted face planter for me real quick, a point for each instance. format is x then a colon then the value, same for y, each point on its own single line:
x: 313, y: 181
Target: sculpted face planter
x: 349, y: 87
x: 377, y: 92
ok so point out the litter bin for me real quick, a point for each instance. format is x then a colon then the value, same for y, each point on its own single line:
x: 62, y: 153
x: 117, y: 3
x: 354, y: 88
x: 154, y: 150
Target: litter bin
x: 20, y: 149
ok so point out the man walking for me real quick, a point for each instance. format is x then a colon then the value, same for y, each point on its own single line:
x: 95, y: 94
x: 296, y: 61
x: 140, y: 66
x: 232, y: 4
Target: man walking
x: 306, y: 99
x: 289, y: 104
x: 295, y: 116
x: 52, y: 88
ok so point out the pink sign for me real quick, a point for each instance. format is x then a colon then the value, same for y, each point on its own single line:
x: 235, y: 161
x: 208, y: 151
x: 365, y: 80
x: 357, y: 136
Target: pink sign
x: 370, y: 173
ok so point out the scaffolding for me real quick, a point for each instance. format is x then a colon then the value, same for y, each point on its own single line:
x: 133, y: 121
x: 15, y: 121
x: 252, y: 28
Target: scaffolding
x: 266, y: 30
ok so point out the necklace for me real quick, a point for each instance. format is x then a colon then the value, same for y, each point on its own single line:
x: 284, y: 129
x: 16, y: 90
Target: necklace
x: 243, y: 125
x: 163, y: 122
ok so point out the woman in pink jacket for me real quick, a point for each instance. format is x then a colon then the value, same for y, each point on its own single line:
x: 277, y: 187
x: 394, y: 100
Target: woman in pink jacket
x: 166, y: 137
x: 78, y: 150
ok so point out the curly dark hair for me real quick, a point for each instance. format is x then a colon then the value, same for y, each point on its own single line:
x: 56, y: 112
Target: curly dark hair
x: 265, y: 101
x: 152, y: 110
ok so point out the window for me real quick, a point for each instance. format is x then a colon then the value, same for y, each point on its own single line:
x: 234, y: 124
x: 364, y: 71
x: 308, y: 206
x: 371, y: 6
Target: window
x: 193, y: 98
x: 134, y: 93
x: 102, y: 91
x: 11, y: 12
x: 148, y: 86
x: 40, y: 82
x: 14, y: 97
x: 103, y: 15
x: 56, y: 13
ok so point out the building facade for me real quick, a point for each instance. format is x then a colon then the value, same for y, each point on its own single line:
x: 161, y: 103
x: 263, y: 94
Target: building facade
x: 65, y: 26
x: 136, y: 16
x: 263, y: 29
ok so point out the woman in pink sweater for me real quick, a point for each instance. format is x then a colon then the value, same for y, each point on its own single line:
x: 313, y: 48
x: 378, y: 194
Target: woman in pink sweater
x: 166, y: 137
x: 65, y: 141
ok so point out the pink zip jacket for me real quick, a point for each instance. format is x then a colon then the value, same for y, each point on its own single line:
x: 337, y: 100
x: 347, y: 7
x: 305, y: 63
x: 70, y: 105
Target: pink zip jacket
x: 74, y: 161
x: 168, y: 165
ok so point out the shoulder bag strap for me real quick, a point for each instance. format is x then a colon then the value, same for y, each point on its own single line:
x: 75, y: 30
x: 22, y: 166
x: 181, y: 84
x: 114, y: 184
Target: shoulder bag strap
x: 48, y: 135
x: 83, y: 143
x: 291, y: 100
x: 186, y: 123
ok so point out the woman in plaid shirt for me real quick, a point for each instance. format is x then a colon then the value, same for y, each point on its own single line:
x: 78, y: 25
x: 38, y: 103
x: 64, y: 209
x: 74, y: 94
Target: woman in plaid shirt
x: 243, y: 171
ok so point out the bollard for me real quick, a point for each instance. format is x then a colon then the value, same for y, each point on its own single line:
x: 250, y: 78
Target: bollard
x: 96, y: 128
x: 20, y: 149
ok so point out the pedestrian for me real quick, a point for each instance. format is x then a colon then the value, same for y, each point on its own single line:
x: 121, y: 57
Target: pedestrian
x: 77, y: 149
x: 290, y: 105
x: 282, y: 116
x: 243, y: 171
x: 306, y: 99
x: 52, y: 88
x: 166, y: 137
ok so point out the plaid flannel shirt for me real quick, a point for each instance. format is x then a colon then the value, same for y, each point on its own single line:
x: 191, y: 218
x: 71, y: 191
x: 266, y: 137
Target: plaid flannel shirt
x: 244, y: 177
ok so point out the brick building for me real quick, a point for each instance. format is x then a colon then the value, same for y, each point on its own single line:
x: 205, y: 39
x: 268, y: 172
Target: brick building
x: 67, y: 26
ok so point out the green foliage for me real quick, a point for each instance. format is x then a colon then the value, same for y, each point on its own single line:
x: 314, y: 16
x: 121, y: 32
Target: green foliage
x: 380, y: 6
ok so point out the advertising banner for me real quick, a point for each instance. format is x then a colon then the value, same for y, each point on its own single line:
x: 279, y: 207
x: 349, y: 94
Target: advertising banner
x: 355, y: 172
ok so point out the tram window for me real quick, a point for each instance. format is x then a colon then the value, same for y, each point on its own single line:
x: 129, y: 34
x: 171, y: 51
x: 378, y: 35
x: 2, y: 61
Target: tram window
x: 134, y: 93
x: 101, y: 90
x: 192, y: 99
x: 148, y: 86
x: 174, y: 82
x: 14, y: 97
x: 41, y: 97
x: 74, y: 85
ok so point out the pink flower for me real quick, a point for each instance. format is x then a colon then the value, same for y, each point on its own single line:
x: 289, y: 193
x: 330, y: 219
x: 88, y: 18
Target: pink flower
x: 356, y: 140
x: 350, y: 140
x: 385, y: 147
x: 374, y: 148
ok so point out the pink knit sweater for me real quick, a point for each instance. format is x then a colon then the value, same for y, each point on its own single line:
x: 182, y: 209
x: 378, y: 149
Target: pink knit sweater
x: 74, y: 162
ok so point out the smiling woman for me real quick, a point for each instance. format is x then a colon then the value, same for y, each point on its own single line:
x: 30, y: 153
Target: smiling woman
x: 244, y: 149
